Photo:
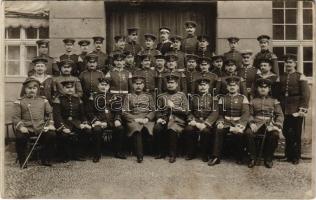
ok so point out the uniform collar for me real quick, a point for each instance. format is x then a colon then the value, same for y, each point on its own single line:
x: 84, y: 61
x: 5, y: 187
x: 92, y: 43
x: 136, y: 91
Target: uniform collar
x: 42, y: 80
x: 233, y: 95
x: 118, y: 69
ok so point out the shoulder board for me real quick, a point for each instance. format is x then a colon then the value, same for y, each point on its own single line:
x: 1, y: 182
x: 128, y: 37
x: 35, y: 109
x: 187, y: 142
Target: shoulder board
x: 43, y: 97
x: 303, y: 77
x: 179, y: 92
x: 17, y: 101
x: 276, y: 102
x: 56, y: 100
x: 245, y: 99
x: 273, y: 56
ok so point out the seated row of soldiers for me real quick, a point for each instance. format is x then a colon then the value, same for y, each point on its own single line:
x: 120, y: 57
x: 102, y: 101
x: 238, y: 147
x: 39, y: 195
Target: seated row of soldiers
x: 164, y: 105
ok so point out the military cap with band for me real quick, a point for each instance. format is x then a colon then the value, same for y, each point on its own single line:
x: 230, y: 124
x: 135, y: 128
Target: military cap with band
x: 69, y: 40
x: 171, y: 57
x: 39, y: 59
x: 189, y: 22
x: 41, y: 42
x: 91, y: 57
x: 68, y: 83
x: 192, y: 57
x: 104, y: 80
x: 290, y: 56
x: 263, y: 82
x: 265, y: 60
x: 233, y: 80
x: 119, y: 37
x: 137, y: 77
x: 203, y: 37
x: 149, y: 35
x: 263, y: 37
x: 119, y: 56
x: 164, y: 28
x: 230, y: 60
x: 132, y: 30
x: 246, y: 52
x: 233, y: 39
x: 128, y: 53
x: 203, y: 80
x: 144, y: 56
x: 172, y: 77
x: 29, y: 80
x: 215, y: 57
x: 206, y: 59
x: 98, y: 38
x: 66, y: 63
x: 84, y: 42
x: 175, y: 37
x: 160, y: 56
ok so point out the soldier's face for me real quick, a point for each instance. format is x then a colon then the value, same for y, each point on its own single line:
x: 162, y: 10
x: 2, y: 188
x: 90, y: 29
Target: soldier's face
x: 120, y: 44
x: 119, y: 63
x: 66, y: 70
x: 69, y: 90
x: 31, y: 89
x: 218, y: 63
x: 172, y: 85
x: 160, y: 63
x: 149, y: 43
x: 172, y: 64
x: 230, y: 68
x: 203, y: 44
x: 205, y: 66
x: 263, y: 91
x: 203, y: 87
x: 138, y: 86
x: 265, y: 67
x: 164, y: 35
x: 191, y: 64
x: 146, y: 63
x: 176, y: 44
x: 92, y: 64
x: 133, y: 37
x: 290, y: 65
x: 232, y: 88
x: 40, y: 68
x: 129, y: 59
x: 43, y: 49
x: 264, y: 44
x: 69, y: 47
x: 103, y: 87
x: 246, y: 59
x: 190, y: 30
x: 98, y: 45
x: 84, y: 48
x: 233, y: 45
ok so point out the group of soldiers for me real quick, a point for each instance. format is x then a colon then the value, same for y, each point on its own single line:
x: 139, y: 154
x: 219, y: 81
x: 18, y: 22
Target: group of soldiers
x: 176, y: 89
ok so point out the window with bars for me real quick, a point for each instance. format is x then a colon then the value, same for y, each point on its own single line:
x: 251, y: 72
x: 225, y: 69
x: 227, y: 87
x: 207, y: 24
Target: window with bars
x: 293, y: 33
x: 20, y: 48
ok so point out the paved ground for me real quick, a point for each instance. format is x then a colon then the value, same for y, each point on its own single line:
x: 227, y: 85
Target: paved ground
x: 112, y: 178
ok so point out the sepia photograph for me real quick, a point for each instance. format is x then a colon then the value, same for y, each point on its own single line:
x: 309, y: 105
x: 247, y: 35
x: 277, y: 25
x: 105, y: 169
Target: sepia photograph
x: 157, y: 99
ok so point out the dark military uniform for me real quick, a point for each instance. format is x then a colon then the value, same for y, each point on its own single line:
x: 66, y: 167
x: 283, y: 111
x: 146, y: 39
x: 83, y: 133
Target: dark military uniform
x: 189, y: 44
x: 266, y: 54
x: 204, y: 109
x: 248, y: 73
x: 133, y: 47
x: 294, y: 95
x: 89, y: 82
x: 204, y: 52
x: 111, y: 55
x: 159, y: 79
x: 152, y: 53
x: 75, y: 58
x: 150, y: 79
x: 181, y: 81
x: 221, y: 85
x: 82, y: 62
x: 58, y: 88
x: 120, y: 80
x: 235, y: 55
x: 164, y: 47
x: 31, y: 113
x: 190, y: 81
x: 209, y: 75
x: 52, y: 67
x: 181, y: 59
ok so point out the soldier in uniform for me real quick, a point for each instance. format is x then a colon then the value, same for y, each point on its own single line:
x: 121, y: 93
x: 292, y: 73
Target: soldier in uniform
x: 205, y: 64
x: 171, y: 117
x: 191, y: 69
x: 149, y: 48
x: 233, y: 118
x: 119, y: 48
x: 103, y: 59
x: 29, y: 119
x: 90, y: 77
x: 230, y: 69
x: 69, y: 55
x: 139, y: 115
x: 71, y: 123
x: 65, y: 67
x: 160, y: 69
x: 294, y: 97
x: 189, y: 43
x: 46, y: 81
x: 130, y: 62
x: 203, y: 49
x: 266, y: 117
x: 100, y: 116
x: 52, y: 68
x: 84, y: 46
x: 265, y: 53
x: 204, y: 113
x: 217, y: 65
x: 165, y: 45
x: 247, y: 72
x: 176, y: 49
x: 148, y: 74
x: 233, y: 53
x: 132, y: 41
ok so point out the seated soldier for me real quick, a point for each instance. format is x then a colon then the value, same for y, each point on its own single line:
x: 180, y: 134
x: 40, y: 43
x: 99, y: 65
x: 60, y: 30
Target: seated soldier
x: 139, y: 114
x: 233, y: 118
x: 266, y: 117
x: 71, y: 122
x: 29, y: 119
x: 204, y: 113
x: 171, y: 117
x: 99, y: 115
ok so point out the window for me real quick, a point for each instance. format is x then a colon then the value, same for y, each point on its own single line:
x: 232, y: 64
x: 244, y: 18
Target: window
x: 293, y: 33
x: 20, y: 48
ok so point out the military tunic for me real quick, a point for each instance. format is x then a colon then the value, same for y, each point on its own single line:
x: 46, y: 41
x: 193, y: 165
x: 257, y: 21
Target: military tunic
x: 189, y: 44
x: 151, y: 52
x: 150, y: 79
x: 120, y: 80
x: 204, y: 52
x: 164, y: 47
x: 103, y: 61
x: 190, y: 81
x: 82, y: 63
x: 213, y: 77
x: 59, y: 89
x: 181, y: 59
x: 89, y: 82
x: 133, y: 47
x: 221, y: 87
x: 267, y: 54
x: 75, y: 58
x: 235, y: 55
x: 181, y: 81
x: 248, y: 73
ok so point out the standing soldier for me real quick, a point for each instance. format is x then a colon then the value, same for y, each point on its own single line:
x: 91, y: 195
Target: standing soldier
x: 140, y: 115
x: 160, y: 69
x: 84, y: 46
x: 294, y: 96
x: 265, y: 53
x: 189, y: 43
x: 191, y: 69
x: 30, y: 113
x: 69, y: 55
x: 265, y: 67
x: 203, y: 48
x: 52, y: 68
x: 103, y: 60
x: 165, y: 45
x: 149, y: 48
x: 71, y: 123
x: 147, y: 73
x: 90, y: 77
x: 233, y: 118
x: 204, y: 113
x: 247, y: 72
x: 266, y: 118
x: 130, y: 62
x: 119, y: 48
x: 176, y: 49
x: 171, y: 117
x: 132, y: 41
x: 233, y: 53
x: 217, y: 65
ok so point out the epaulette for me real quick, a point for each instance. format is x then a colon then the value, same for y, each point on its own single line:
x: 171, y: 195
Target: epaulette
x: 276, y: 101
x: 56, y: 100
x: 99, y: 70
x: 302, y: 77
